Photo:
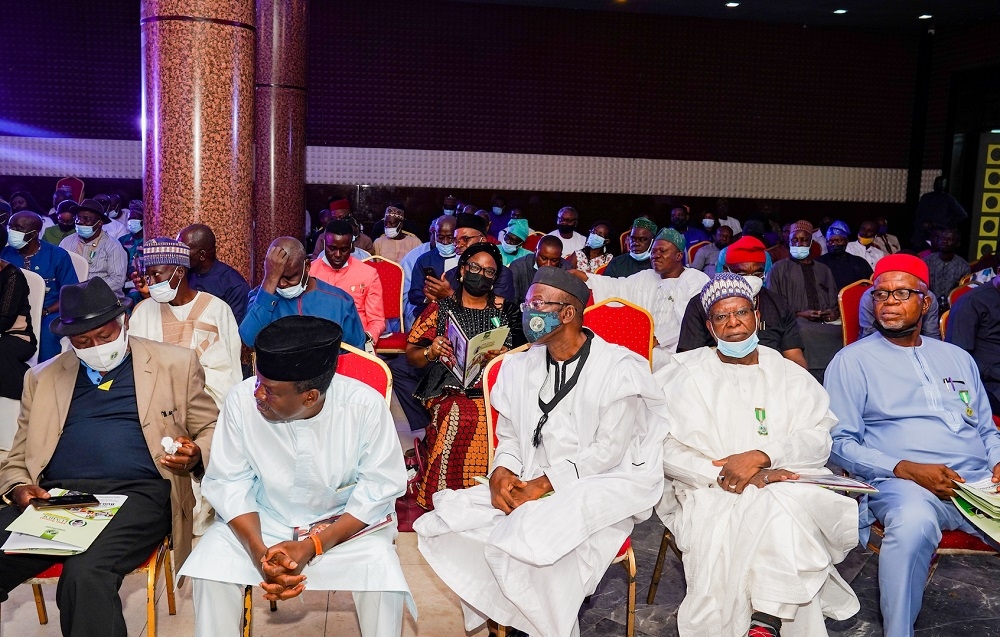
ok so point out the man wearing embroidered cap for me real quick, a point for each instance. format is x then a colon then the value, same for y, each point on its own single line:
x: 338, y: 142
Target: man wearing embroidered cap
x: 566, y: 428
x: 92, y: 419
x: 300, y: 445
x: 758, y: 551
x: 638, y: 244
x: 914, y: 417
x: 663, y: 291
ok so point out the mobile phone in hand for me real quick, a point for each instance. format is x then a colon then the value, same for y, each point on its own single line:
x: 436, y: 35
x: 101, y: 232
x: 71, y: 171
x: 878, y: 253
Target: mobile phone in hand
x: 64, y: 501
x: 430, y: 273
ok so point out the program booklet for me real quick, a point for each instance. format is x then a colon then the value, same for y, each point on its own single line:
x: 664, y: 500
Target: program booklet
x: 61, y: 531
x: 470, y: 353
x: 837, y: 483
x: 301, y: 533
x: 979, y: 502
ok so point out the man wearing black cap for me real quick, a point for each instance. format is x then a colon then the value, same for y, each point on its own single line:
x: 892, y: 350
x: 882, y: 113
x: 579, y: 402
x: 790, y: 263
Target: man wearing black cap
x: 105, y: 254
x: 302, y: 452
x: 93, y: 419
x: 569, y: 428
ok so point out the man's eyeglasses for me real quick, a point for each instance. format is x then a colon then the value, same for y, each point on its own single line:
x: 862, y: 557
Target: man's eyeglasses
x: 902, y: 294
x: 539, y: 304
x: 475, y: 268
x: 721, y: 319
x: 468, y: 240
x: 759, y: 275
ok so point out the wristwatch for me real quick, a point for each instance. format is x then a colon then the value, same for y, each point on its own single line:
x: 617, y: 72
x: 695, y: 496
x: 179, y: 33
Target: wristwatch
x: 6, y: 494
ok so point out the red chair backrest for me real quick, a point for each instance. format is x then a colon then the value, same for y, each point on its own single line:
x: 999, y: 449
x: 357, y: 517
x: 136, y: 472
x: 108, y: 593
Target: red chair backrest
x: 370, y: 370
x: 622, y: 323
x: 693, y: 249
x: 490, y: 375
x: 623, y: 240
x: 601, y: 269
x: 75, y: 185
x: 958, y: 293
x: 532, y: 241
x: 849, y: 301
x: 390, y: 274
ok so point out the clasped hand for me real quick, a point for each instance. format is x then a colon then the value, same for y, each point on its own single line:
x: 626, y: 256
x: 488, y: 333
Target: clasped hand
x: 750, y: 467
x: 507, y: 491
x: 281, y: 566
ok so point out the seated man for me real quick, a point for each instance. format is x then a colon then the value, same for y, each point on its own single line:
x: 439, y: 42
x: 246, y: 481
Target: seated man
x: 105, y: 255
x: 846, y: 267
x: 208, y: 274
x: 663, y: 291
x: 338, y: 268
x: 396, y: 242
x: 638, y: 243
x: 407, y: 264
x: 566, y: 428
x: 974, y: 325
x: 706, y: 258
x: 777, y: 328
x: 299, y: 445
x: 914, y: 416
x: 92, y: 420
x: 512, y: 241
x: 566, y: 220
x: 864, y: 247
x: 946, y: 267
x: 288, y: 290
x: 930, y: 326
x: 52, y: 263
x: 757, y: 553
x: 810, y: 291
x: 548, y: 253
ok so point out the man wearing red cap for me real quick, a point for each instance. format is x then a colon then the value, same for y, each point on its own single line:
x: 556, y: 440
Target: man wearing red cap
x: 914, y: 418
x: 777, y: 329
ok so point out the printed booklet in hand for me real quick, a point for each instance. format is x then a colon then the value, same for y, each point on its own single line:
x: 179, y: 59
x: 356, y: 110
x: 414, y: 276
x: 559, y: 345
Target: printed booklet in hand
x: 61, y: 531
x: 470, y: 354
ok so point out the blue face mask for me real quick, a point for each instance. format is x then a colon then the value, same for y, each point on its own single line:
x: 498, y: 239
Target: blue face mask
x: 737, y: 349
x: 449, y: 211
x: 134, y: 225
x: 537, y: 324
x: 799, y: 252
x: 85, y: 232
x: 509, y: 249
x: 447, y: 250
x: 497, y: 210
x: 642, y: 256
x: 595, y: 241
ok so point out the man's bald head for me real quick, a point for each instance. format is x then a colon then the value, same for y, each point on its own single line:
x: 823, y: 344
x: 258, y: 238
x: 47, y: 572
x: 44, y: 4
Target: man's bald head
x: 294, y: 248
x: 198, y: 236
x: 26, y: 221
x: 446, y: 222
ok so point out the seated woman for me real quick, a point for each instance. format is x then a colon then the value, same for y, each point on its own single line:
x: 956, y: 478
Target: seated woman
x: 17, y: 340
x: 595, y: 254
x: 456, y: 440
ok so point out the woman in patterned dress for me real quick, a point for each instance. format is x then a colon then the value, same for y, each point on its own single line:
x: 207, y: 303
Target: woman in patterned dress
x: 456, y: 439
x: 595, y: 254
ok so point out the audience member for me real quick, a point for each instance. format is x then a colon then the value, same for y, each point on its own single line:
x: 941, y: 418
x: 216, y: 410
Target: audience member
x: 887, y: 243
x: 101, y: 411
x: 929, y: 327
x: 946, y: 267
x: 424, y: 288
x: 741, y: 417
x: 17, y: 340
x: 724, y: 218
x: 706, y: 258
x: 864, y: 246
x: 61, y: 194
x: 469, y: 231
x: 709, y: 223
x: 338, y: 268
x: 64, y: 226
x: 323, y: 219
x: 22, y: 200
x: 112, y: 227
x: 5, y: 212
x: 636, y: 259
x: 846, y: 267
x: 566, y: 222
x: 288, y: 290
x: 679, y: 221
x: 50, y: 262
x: 341, y: 209
x: 132, y: 242
x: 456, y: 439
x: 395, y: 243
x: 407, y: 263
x: 573, y: 440
x: 819, y: 235
x: 450, y: 203
x: 663, y: 291
x: 779, y: 251
x: 974, y: 325
x: 913, y: 417
x: 208, y: 274
x: 407, y: 227
x: 595, y: 254
x: 777, y: 327
x: 485, y: 216
x: 499, y: 216
x: 935, y: 210
x: 753, y: 228
x: 299, y: 423
x: 547, y: 254
x: 106, y: 256
x: 512, y: 241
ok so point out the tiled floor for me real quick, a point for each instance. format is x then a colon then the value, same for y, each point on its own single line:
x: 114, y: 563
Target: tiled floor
x: 962, y: 599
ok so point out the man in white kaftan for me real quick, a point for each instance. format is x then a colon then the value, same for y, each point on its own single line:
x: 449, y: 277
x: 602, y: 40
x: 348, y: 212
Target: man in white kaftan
x: 663, y: 291
x: 288, y: 460
x: 510, y: 553
x: 758, y: 552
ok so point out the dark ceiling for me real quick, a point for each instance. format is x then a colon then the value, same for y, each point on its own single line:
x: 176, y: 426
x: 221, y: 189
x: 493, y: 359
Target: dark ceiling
x: 895, y: 15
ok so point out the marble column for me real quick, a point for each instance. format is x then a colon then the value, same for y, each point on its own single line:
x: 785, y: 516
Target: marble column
x: 280, y: 143
x: 197, y: 105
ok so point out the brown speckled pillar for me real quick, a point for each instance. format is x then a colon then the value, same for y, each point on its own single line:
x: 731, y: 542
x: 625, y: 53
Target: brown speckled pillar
x: 198, y: 77
x: 280, y: 143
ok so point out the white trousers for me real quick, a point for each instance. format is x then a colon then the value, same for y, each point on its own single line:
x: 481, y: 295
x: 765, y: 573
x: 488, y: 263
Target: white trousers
x: 218, y: 610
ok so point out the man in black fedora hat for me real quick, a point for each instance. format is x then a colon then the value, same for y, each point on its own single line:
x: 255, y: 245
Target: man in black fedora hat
x: 94, y: 419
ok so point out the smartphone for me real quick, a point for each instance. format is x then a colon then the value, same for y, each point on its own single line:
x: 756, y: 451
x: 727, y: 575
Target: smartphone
x: 430, y: 273
x: 64, y: 501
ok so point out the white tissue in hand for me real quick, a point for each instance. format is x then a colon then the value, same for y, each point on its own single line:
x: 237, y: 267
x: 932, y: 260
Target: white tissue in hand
x: 170, y: 446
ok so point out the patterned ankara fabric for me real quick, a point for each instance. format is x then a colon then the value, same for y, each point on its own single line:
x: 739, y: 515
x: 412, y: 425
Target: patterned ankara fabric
x: 724, y: 286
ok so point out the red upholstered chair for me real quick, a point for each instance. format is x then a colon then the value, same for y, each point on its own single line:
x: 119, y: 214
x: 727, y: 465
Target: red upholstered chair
x: 623, y: 323
x: 943, y: 323
x: 952, y: 543
x: 159, y: 561
x: 693, y: 250
x: 532, y: 241
x: 601, y: 269
x: 390, y: 274
x: 625, y: 557
x: 958, y: 293
x: 849, y: 301
x: 370, y: 370
x: 623, y: 241
x: 75, y: 185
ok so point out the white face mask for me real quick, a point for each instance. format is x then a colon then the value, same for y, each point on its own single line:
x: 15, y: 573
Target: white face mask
x: 708, y: 223
x: 105, y: 357
x: 134, y: 225
x: 756, y: 283
x: 297, y: 289
x: 392, y: 233
x: 162, y: 292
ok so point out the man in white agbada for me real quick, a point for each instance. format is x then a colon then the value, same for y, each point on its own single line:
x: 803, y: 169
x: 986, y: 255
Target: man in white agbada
x: 566, y: 428
x: 663, y: 291
x: 298, y: 445
x: 759, y: 554
x: 179, y: 315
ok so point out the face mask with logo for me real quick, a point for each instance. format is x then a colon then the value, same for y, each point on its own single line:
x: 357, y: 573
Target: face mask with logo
x: 18, y: 240
x: 296, y: 290
x: 866, y: 241
x: 595, y: 241
x: 708, y: 223
x: 476, y: 284
x: 134, y: 225
x: 446, y: 250
x: 755, y: 283
x: 105, y: 357
x: 537, y: 324
x: 738, y: 349
x: 162, y: 292
x: 392, y: 233
x: 799, y: 252
x: 86, y: 231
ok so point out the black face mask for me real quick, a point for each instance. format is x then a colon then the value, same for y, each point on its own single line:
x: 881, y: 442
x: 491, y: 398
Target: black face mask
x: 895, y: 333
x: 721, y: 244
x: 476, y: 284
x: 67, y: 228
x: 566, y: 228
x: 836, y: 249
x: 679, y: 226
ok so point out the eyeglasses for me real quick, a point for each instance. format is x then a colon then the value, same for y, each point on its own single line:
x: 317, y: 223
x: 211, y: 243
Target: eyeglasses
x: 902, y: 294
x: 759, y: 275
x: 538, y: 304
x: 721, y: 319
x: 475, y: 268
x: 468, y: 240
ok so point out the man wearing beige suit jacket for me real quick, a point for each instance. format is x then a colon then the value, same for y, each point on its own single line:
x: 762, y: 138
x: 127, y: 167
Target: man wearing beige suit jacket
x: 92, y: 419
